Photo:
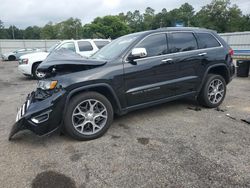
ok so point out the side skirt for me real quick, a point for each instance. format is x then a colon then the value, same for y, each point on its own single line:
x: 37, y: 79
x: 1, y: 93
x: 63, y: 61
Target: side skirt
x: 160, y: 101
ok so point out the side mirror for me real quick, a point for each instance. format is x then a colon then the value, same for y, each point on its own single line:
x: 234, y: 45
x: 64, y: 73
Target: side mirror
x: 138, y: 53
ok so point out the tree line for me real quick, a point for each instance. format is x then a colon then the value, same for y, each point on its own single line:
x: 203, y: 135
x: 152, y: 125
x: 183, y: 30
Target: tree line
x: 219, y: 15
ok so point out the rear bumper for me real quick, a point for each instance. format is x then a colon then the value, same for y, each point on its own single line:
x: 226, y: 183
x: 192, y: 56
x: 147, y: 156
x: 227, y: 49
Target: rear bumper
x: 40, y: 116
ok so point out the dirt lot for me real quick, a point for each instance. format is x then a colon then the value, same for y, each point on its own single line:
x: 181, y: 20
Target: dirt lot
x: 171, y: 145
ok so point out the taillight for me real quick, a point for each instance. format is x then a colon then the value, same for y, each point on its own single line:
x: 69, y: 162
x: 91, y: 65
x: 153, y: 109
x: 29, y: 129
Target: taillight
x: 231, y: 52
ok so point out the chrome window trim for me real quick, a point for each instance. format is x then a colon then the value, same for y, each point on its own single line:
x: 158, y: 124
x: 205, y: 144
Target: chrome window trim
x: 126, y: 56
x: 167, y: 32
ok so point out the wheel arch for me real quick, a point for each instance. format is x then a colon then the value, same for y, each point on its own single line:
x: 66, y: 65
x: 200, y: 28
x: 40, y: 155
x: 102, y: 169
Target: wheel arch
x: 219, y: 69
x: 12, y: 55
x: 104, y: 89
x: 33, y: 66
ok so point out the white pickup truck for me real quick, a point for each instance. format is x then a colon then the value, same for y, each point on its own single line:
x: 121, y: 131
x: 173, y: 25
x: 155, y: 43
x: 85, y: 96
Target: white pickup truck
x: 86, y: 47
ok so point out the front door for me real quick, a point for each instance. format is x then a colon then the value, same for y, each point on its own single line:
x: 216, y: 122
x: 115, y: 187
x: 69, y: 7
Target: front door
x: 148, y: 79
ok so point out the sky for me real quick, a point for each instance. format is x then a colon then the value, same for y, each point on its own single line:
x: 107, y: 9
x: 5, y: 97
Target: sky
x: 24, y: 13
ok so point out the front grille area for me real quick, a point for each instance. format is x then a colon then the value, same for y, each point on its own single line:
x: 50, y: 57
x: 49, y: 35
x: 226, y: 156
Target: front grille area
x: 23, y: 110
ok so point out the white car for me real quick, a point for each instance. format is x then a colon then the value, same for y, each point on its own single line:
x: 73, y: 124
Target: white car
x: 15, y: 55
x: 86, y: 47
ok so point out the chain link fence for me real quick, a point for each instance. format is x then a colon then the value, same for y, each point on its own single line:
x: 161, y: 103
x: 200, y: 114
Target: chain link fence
x: 7, y: 45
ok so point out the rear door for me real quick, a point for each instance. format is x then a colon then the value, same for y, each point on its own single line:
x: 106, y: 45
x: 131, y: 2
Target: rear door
x: 149, y: 79
x: 188, y: 61
x: 213, y: 49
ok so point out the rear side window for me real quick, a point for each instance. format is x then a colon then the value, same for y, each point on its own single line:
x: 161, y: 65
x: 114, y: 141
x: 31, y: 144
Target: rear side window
x: 207, y: 40
x: 154, y: 44
x: 84, y: 46
x: 101, y: 44
x: 69, y: 46
x: 181, y: 42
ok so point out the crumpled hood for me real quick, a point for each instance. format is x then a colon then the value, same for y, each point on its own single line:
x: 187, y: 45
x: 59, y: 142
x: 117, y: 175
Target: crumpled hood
x: 64, y: 60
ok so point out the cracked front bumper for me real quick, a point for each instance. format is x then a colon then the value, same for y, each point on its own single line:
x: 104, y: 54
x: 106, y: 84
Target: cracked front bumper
x: 40, y: 115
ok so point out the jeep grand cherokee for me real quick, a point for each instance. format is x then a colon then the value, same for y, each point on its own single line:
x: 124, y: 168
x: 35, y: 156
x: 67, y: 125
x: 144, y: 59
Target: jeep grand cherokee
x: 80, y: 96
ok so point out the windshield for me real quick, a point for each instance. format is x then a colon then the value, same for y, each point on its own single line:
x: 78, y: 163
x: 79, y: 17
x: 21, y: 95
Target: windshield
x: 115, y: 48
x: 53, y: 47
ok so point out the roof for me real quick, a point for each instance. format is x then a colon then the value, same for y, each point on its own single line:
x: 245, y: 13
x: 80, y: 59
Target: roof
x: 166, y: 29
x: 184, y: 29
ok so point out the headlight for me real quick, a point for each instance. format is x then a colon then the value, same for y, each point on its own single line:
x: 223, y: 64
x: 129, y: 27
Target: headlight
x: 46, y: 84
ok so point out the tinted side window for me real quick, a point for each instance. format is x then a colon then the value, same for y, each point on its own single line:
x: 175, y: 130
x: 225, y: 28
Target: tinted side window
x: 181, y: 42
x: 207, y: 40
x: 84, y: 46
x: 69, y: 46
x: 101, y: 44
x: 154, y: 44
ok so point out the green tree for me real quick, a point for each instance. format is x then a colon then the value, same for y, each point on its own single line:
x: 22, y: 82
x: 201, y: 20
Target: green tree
x: 162, y: 19
x: 15, y: 33
x: 3, y: 32
x: 32, y: 32
x: 69, y: 29
x: 135, y: 21
x: 106, y: 27
x: 183, y: 14
x: 220, y: 15
x: 245, y: 23
x: 148, y: 18
x: 48, y: 31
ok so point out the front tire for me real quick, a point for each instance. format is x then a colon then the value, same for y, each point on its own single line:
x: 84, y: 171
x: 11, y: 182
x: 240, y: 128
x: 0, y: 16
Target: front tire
x: 88, y: 116
x: 37, y: 75
x: 213, y: 91
x: 12, y: 58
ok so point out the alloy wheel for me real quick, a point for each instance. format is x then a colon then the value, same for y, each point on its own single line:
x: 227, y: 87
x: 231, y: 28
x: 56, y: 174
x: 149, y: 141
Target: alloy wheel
x: 40, y: 74
x: 89, y: 117
x: 216, y: 91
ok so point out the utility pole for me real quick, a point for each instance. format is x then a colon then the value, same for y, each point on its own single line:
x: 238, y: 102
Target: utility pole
x: 13, y: 32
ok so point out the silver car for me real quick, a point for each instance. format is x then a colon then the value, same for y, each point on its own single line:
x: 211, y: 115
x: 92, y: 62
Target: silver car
x: 12, y: 56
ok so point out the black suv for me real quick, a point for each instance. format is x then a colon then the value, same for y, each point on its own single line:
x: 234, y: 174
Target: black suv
x: 80, y: 96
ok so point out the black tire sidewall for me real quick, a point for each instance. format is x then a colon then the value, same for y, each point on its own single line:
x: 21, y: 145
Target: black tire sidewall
x: 203, y: 95
x: 34, y: 71
x: 68, y: 126
x: 11, y: 58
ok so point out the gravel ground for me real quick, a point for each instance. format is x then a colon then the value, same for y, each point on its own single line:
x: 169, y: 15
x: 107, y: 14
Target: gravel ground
x: 170, y: 145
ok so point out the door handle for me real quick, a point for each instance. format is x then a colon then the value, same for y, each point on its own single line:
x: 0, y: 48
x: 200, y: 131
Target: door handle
x: 202, y: 54
x: 169, y: 61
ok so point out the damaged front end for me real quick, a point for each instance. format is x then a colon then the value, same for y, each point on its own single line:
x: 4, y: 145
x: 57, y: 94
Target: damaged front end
x: 41, y: 113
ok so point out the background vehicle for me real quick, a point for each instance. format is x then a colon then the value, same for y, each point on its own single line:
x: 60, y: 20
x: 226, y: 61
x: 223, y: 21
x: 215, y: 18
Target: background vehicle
x: 132, y: 72
x: 12, y: 56
x: 86, y: 47
x: 240, y: 43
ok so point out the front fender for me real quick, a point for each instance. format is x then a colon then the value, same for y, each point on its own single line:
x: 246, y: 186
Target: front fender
x: 92, y: 87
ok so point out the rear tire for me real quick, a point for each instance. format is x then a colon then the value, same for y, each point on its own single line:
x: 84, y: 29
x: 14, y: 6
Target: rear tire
x: 88, y: 116
x: 213, y: 91
x: 11, y: 58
